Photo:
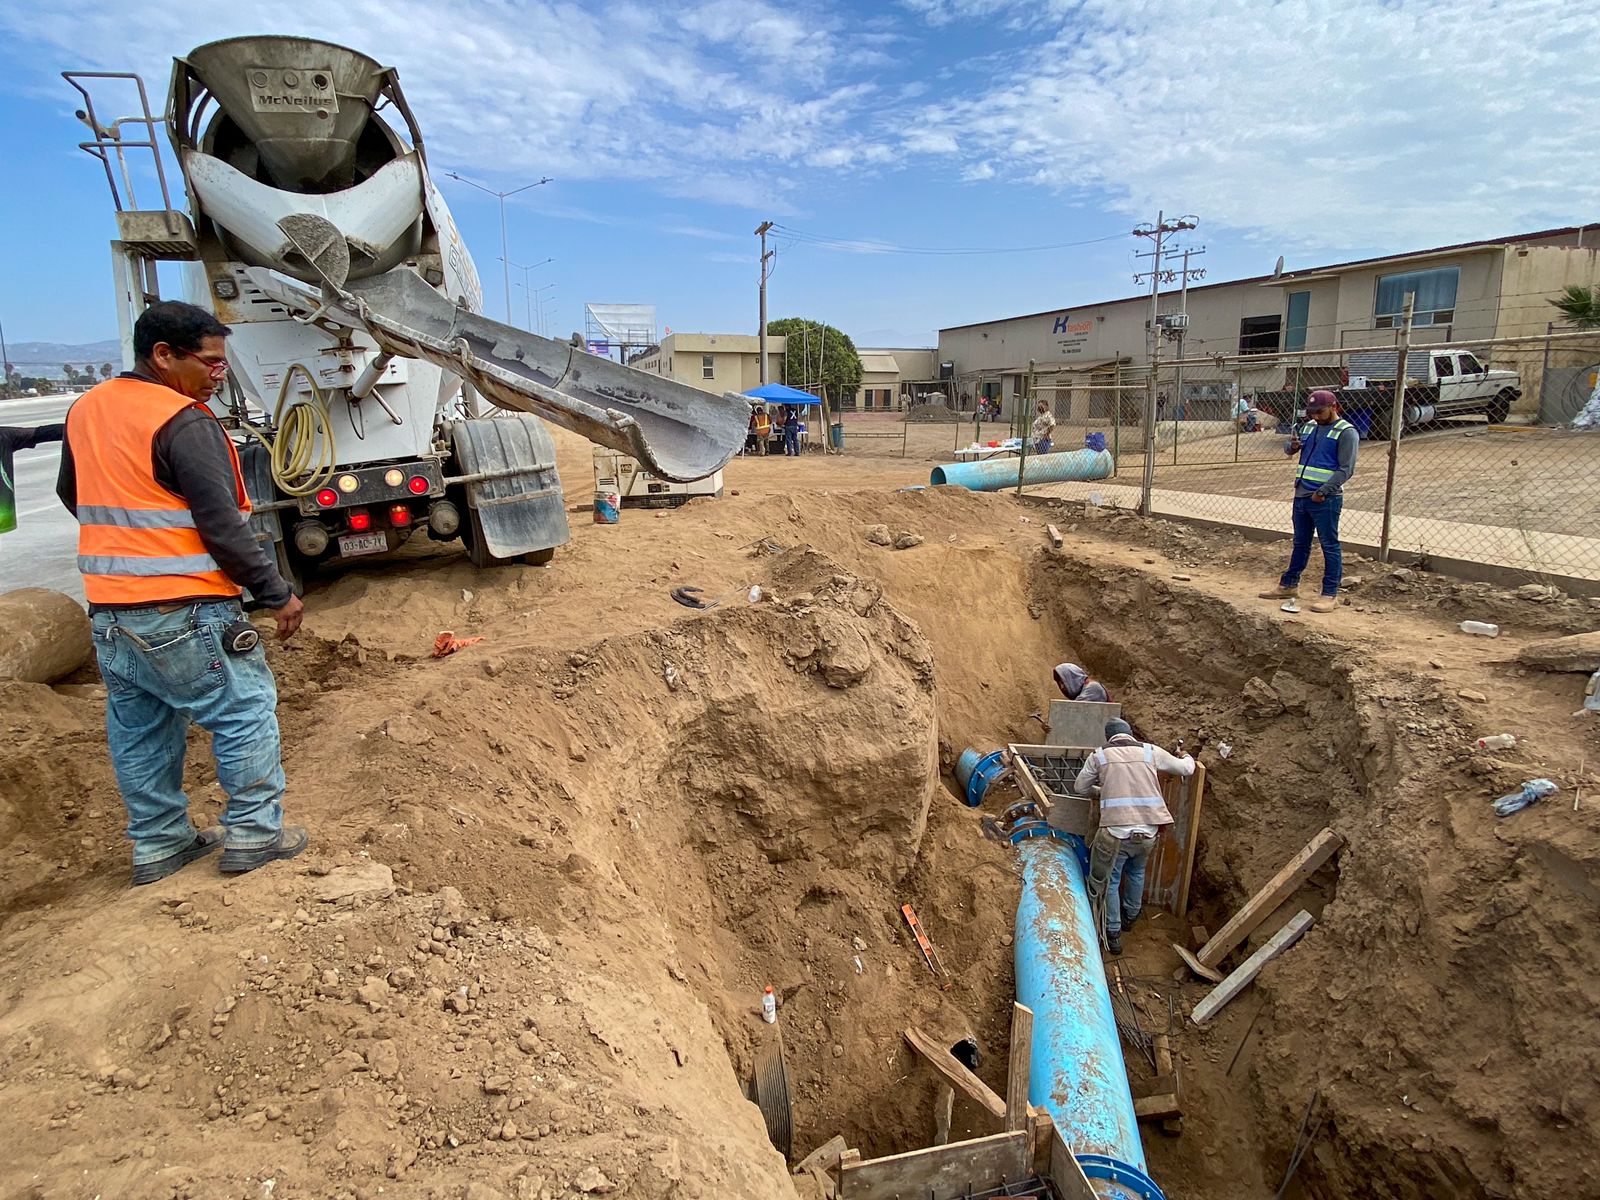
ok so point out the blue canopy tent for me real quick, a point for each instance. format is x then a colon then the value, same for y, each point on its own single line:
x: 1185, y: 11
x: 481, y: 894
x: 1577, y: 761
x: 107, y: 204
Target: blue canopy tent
x: 778, y: 393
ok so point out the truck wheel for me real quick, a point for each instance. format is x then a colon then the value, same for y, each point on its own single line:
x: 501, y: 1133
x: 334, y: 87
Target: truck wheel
x: 1499, y: 408
x: 539, y: 557
x: 472, y: 537
x: 1378, y: 429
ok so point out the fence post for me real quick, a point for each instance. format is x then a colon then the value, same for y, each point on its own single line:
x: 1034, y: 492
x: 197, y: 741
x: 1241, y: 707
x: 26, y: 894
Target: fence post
x: 1148, y: 484
x: 1397, y: 424
x: 1116, y: 413
x: 1026, y: 408
x: 1544, y: 372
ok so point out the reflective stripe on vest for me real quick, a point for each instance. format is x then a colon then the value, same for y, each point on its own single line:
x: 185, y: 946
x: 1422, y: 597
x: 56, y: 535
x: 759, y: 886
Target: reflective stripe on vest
x: 1126, y: 796
x: 137, y: 542
x: 1319, y: 456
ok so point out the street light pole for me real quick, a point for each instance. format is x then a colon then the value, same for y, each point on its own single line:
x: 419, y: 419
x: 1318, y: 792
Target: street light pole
x: 529, y: 297
x: 766, y: 258
x: 539, y: 300
x: 505, y: 246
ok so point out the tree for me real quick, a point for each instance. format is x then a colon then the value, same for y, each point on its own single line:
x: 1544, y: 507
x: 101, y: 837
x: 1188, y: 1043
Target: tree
x: 1580, y: 305
x: 105, y: 370
x: 819, y: 358
x: 70, y: 371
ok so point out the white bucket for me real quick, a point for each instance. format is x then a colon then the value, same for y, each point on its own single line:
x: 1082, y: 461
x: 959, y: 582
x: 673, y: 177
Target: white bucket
x: 607, y: 502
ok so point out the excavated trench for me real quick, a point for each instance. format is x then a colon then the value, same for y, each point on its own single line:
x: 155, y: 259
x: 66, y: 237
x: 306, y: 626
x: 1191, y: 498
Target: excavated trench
x: 651, y: 829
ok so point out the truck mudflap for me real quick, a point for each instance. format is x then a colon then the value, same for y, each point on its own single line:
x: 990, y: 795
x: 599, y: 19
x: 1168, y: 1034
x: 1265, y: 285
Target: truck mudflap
x: 509, y: 463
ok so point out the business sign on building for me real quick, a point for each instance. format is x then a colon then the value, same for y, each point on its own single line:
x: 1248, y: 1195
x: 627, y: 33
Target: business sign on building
x: 1071, y: 334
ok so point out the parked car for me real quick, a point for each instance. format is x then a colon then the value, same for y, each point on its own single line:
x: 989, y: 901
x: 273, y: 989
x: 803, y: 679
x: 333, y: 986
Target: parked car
x: 1440, y: 385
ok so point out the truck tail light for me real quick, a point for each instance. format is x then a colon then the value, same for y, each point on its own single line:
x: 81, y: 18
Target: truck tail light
x: 418, y: 485
x: 399, y: 515
x: 360, y: 520
x: 327, y: 497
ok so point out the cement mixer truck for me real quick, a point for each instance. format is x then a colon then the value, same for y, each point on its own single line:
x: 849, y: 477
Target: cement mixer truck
x: 368, y: 395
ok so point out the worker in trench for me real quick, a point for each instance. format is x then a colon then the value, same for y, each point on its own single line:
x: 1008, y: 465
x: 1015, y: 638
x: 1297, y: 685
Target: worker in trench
x: 1127, y: 772
x: 1077, y: 684
x: 165, y: 552
x: 1327, y: 445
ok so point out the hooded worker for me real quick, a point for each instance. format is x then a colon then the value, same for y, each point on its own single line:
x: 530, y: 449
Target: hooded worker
x: 1077, y: 684
x: 1132, y: 811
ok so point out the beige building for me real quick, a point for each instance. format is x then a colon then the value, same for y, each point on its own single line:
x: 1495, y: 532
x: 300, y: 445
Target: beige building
x: 1497, y: 288
x: 884, y: 369
x: 716, y: 362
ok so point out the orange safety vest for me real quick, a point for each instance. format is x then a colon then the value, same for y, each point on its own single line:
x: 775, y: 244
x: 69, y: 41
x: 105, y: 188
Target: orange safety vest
x: 137, y: 542
x: 763, y: 423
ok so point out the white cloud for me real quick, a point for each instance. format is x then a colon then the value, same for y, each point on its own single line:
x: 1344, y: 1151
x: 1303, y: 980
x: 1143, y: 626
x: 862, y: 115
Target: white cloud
x: 1306, y: 121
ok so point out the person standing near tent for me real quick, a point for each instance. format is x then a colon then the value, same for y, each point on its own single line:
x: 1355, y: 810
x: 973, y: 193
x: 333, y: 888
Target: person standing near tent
x: 1044, y: 426
x: 791, y: 431
x: 763, y: 428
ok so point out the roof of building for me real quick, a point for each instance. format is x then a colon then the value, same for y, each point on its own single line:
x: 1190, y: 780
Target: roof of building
x: 878, y: 363
x: 1305, y: 272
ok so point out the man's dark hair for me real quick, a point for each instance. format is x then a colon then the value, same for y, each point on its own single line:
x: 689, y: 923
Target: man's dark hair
x: 181, y: 326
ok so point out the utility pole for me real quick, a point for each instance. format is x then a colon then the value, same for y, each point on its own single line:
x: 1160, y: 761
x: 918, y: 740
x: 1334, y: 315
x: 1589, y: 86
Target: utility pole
x: 505, y: 245
x: 766, y: 270
x: 1183, y: 330
x: 1157, y: 233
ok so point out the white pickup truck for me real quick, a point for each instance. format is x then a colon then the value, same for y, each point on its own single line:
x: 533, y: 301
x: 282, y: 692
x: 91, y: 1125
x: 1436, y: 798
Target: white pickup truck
x: 1439, y: 384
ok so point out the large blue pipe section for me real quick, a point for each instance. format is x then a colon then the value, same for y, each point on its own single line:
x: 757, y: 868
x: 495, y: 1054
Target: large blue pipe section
x: 997, y: 474
x: 1076, y: 1070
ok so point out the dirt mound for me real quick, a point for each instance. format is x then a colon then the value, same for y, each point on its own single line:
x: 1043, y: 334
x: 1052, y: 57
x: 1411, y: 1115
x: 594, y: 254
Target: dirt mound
x: 930, y: 413
x: 610, y: 824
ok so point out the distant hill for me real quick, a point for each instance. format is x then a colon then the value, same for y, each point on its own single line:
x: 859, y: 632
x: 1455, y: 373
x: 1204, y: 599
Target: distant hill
x: 45, y: 359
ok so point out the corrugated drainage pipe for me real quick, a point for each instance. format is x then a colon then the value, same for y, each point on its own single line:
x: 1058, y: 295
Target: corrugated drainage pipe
x: 997, y: 474
x: 1076, y: 1070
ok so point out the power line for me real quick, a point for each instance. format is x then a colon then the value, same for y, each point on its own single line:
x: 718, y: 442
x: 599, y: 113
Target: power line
x: 872, y: 246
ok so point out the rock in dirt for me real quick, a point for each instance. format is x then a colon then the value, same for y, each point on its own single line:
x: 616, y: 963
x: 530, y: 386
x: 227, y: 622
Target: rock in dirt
x: 1580, y: 652
x: 452, y: 907
x: 1475, y: 697
x: 407, y: 730
x: 592, y: 1180
x: 357, y: 883
x: 1260, y: 700
x: 482, y: 1191
x: 44, y: 635
x: 383, y: 1059
x: 879, y: 535
x: 907, y: 540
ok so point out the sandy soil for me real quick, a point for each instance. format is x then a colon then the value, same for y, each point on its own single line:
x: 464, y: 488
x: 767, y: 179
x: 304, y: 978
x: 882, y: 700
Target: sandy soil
x: 551, y: 874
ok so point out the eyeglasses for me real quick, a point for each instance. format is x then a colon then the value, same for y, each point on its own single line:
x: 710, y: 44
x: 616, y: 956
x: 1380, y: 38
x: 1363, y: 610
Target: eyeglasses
x: 218, y: 367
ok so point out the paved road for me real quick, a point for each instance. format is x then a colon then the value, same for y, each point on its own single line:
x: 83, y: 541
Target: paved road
x: 43, y: 550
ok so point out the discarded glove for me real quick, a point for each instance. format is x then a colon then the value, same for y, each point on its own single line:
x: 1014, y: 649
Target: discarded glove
x: 1534, y: 789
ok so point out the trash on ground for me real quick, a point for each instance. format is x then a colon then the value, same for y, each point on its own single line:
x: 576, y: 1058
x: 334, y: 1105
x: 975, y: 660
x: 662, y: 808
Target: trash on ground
x: 1481, y: 628
x: 1497, y: 741
x: 448, y: 643
x: 1533, y: 790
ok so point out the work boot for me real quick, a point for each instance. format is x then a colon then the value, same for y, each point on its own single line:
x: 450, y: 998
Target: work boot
x: 204, y: 843
x: 1324, y: 604
x: 1114, y: 943
x: 291, y: 840
x: 1280, y: 593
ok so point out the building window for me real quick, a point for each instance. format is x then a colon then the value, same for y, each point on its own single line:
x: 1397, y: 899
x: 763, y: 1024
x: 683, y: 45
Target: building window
x: 1435, y: 302
x: 1259, y: 335
x: 708, y: 367
x: 1294, y: 336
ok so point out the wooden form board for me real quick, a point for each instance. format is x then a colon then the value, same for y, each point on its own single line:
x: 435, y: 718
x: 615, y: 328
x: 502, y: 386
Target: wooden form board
x: 1017, y: 1069
x: 1276, y: 890
x: 940, y: 1172
x: 1171, y: 866
x: 1066, y: 1172
x: 1251, y: 967
x: 955, y: 1073
x: 1068, y: 813
x: 1080, y: 722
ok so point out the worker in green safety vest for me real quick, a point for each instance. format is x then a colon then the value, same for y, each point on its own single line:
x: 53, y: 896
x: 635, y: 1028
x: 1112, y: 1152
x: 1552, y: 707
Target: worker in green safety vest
x: 1327, y: 445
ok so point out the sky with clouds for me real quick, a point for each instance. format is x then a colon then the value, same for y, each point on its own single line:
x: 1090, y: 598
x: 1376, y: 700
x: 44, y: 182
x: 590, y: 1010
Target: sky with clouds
x: 1046, y: 129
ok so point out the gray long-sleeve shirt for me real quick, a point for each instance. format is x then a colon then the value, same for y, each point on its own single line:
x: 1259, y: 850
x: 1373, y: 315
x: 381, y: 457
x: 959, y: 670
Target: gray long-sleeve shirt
x: 1348, y: 443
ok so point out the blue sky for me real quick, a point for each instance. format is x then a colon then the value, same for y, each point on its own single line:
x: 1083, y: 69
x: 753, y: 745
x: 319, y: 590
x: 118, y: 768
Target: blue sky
x: 1308, y: 128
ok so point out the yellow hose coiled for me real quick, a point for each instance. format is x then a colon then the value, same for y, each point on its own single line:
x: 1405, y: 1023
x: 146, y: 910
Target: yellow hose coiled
x: 302, y: 449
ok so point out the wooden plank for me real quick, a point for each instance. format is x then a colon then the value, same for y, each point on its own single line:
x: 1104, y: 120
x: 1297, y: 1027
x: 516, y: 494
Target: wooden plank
x: 1066, y: 1172
x: 825, y: 1156
x: 943, y: 1111
x: 1054, y: 534
x: 955, y: 1073
x: 1161, y: 1085
x: 1277, y: 889
x: 939, y: 1172
x: 1161, y: 1045
x: 1195, y: 965
x: 1163, y: 873
x: 1017, y: 1068
x: 1157, y: 1108
x: 1197, y: 796
x: 1251, y: 967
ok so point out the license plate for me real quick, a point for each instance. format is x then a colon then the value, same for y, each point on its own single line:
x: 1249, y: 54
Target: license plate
x: 353, y: 544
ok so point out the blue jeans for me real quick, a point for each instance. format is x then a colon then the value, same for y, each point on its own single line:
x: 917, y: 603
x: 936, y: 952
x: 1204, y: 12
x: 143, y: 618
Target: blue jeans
x: 791, y: 442
x: 1120, y: 863
x: 1320, y: 517
x: 163, y: 671
x: 1041, y: 446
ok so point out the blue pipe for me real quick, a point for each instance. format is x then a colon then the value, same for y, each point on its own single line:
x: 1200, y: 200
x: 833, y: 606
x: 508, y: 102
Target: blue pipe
x: 996, y: 474
x: 975, y: 772
x: 1076, y: 1070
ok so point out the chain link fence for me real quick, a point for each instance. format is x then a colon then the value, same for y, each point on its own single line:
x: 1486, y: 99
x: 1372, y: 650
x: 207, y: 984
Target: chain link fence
x: 1487, y: 468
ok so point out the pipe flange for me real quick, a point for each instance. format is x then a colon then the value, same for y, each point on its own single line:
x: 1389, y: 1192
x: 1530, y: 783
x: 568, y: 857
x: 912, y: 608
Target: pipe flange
x: 1137, y: 1184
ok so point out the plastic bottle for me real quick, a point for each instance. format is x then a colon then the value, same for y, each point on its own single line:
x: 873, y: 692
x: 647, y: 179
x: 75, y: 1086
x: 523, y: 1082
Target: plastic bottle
x: 1498, y: 741
x: 1534, y: 789
x: 1481, y: 628
x: 769, y: 1006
